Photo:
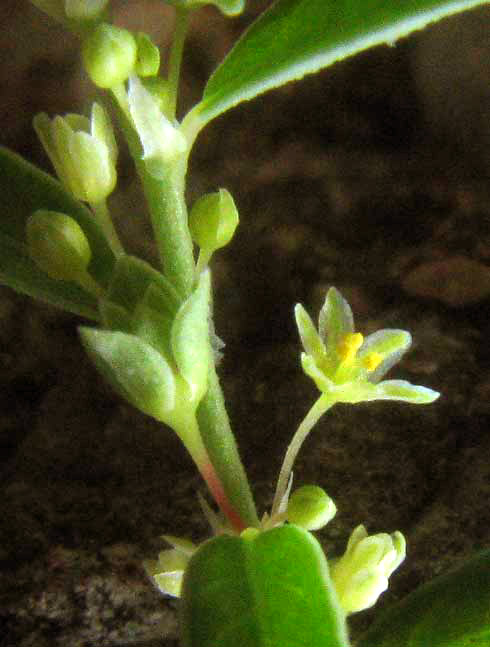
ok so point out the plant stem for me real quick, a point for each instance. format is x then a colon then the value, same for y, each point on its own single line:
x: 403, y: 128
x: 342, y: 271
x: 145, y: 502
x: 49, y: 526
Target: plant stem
x: 169, y: 218
x: 104, y: 218
x: 221, y: 446
x: 188, y: 431
x: 181, y: 25
x: 314, y: 414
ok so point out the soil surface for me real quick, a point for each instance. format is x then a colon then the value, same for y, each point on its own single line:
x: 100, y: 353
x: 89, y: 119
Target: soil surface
x: 372, y: 176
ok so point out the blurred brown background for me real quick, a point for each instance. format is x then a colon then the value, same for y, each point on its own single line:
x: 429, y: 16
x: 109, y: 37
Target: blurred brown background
x: 372, y: 176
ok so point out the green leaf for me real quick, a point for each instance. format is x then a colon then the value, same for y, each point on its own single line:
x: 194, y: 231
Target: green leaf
x: 131, y: 279
x: 19, y: 272
x: 298, y: 37
x: 24, y: 189
x: 190, y: 337
x: 453, y: 610
x: 134, y: 369
x: 266, y: 589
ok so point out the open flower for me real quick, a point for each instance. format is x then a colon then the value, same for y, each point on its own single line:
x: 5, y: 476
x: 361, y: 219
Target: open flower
x: 347, y: 367
x: 83, y: 152
x: 361, y: 574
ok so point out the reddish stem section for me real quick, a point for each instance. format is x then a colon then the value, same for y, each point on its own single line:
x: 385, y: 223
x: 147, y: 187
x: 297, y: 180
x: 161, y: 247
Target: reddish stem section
x: 216, y: 488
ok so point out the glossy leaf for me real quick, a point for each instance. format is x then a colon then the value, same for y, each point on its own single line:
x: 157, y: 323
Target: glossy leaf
x: 298, y: 37
x: 453, y: 610
x: 262, y: 590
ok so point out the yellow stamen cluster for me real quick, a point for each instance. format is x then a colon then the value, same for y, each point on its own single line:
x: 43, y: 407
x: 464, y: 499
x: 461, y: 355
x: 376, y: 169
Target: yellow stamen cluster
x: 372, y: 361
x: 349, y: 345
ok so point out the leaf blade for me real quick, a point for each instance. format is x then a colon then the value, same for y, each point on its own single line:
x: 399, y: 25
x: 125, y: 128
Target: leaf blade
x: 453, y: 610
x: 298, y: 37
x: 273, y: 589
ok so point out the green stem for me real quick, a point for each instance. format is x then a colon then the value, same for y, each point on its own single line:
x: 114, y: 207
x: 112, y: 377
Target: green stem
x: 188, y: 431
x: 104, y: 219
x: 169, y: 218
x: 222, y: 449
x: 181, y: 26
x: 314, y: 414
x: 167, y: 207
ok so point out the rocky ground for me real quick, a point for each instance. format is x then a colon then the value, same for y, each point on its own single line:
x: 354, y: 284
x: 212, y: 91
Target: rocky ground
x: 372, y: 176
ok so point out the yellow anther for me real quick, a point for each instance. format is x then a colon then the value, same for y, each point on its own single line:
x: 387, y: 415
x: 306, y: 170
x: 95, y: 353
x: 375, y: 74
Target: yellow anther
x: 372, y: 361
x: 349, y: 345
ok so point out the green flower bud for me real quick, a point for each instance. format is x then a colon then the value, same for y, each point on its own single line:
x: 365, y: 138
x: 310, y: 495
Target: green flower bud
x: 109, y: 54
x: 310, y: 507
x: 72, y: 10
x: 82, y: 151
x: 213, y: 220
x: 148, y: 56
x: 84, y: 9
x: 58, y: 245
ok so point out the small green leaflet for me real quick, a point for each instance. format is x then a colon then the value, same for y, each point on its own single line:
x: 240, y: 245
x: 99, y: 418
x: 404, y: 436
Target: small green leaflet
x: 267, y: 589
x: 453, y: 610
x: 297, y: 37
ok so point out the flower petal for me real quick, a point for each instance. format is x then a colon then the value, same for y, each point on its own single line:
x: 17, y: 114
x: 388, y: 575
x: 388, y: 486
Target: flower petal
x: 403, y: 390
x: 310, y: 338
x: 335, y: 320
x: 390, y: 344
x: 311, y: 369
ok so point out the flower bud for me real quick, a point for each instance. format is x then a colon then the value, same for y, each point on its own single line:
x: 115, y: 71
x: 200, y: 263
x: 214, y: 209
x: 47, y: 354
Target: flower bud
x: 58, y: 245
x: 82, y: 151
x: 361, y: 574
x: 310, y: 507
x: 84, y: 9
x: 109, y: 54
x: 148, y: 56
x: 213, y: 220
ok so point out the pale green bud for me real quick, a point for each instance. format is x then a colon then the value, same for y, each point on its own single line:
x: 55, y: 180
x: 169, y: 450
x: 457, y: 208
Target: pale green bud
x: 58, y: 245
x: 109, y: 54
x: 72, y: 10
x: 361, y: 574
x: 213, y: 220
x: 310, y: 507
x: 148, y: 56
x: 85, y: 9
x: 82, y: 151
